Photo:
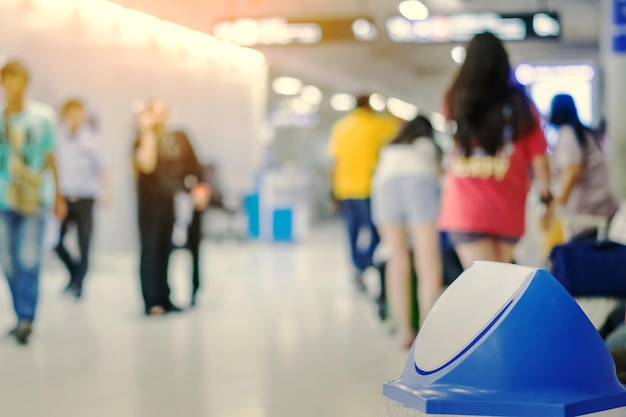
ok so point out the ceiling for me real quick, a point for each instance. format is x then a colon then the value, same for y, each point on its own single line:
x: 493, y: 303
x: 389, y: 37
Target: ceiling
x: 409, y: 71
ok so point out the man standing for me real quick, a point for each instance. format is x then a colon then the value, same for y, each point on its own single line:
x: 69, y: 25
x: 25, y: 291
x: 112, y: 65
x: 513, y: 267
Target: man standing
x: 165, y: 164
x: 83, y: 179
x: 356, y: 141
x: 27, y: 132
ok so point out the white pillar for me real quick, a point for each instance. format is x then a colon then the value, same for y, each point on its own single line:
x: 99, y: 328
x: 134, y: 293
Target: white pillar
x: 615, y: 89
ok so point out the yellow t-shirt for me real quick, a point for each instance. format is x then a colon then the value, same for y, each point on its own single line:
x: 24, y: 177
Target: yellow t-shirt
x: 356, y: 141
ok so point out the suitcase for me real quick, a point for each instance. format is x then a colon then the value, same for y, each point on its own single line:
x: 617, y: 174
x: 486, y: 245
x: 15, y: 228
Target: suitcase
x: 588, y: 267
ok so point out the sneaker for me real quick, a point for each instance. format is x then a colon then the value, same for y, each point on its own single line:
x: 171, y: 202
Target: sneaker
x: 23, y: 332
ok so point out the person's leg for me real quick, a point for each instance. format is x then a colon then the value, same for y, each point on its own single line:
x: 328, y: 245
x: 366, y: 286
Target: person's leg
x: 194, y: 238
x: 61, y: 250
x: 374, y: 236
x: 148, y: 266
x: 29, y: 246
x: 504, y: 250
x: 428, y: 265
x: 164, y: 251
x: 8, y: 251
x: 482, y: 249
x: 84, y: 224
x: 397, y: 274
x: 348, y: 213
x: 362, y: 217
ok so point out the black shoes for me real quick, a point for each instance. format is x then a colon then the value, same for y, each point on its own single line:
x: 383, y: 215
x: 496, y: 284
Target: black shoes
x: 74, y: 291
x: 160, y: 310
x: 22, y: 332
x: 171, y: 308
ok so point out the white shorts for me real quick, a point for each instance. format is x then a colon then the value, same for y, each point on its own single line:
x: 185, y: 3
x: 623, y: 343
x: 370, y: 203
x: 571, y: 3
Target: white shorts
x: 406, y: 200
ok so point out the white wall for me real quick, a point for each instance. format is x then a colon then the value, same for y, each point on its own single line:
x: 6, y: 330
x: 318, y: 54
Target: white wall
x: 217, y: 92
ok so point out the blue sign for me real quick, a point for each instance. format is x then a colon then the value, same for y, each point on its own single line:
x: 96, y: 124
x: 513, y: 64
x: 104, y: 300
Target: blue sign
x: 619, y: 12
x: 619, y: 26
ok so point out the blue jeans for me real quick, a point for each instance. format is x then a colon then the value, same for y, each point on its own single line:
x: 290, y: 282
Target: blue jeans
x: 21, y: 243
x: 357, y: 216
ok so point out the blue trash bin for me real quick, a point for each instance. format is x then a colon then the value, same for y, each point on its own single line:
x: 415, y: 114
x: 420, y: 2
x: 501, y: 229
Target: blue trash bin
x: 506, y: 340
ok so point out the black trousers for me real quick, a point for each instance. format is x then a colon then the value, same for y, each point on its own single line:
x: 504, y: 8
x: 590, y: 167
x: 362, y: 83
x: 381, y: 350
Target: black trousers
x: 80, y: 213
x: 156, y: 246
x: 194, y: 237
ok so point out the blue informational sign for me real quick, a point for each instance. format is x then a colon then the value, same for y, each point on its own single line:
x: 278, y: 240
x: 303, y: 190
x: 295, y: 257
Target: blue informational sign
x: 619, y: 15
x: 619, y: 26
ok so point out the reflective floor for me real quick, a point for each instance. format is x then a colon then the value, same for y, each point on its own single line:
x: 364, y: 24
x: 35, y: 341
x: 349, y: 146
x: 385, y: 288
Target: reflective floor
x: 279, y: 332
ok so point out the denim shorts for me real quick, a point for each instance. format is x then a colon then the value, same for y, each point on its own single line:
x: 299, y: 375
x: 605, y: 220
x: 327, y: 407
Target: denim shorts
x: 407, y: 200
x: 472, y: 237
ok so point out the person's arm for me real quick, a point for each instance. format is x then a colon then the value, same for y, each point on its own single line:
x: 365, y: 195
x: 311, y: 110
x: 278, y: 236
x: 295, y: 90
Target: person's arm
x: 146, y: 152
x: 60, y: 206
x: 541, y: 171
x: 569, y: 178
x: 569, y: 158
x: 197, y: 186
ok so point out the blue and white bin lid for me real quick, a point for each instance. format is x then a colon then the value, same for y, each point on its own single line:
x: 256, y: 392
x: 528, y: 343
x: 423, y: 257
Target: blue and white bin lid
x: 507, y: 340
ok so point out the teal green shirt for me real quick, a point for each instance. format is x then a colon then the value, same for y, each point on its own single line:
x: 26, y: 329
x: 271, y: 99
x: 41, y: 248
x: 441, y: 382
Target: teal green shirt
x: 35, y: 129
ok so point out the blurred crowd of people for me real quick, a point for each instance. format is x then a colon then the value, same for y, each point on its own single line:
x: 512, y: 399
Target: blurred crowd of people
x: 63, y: 165
x: 394, y: 180
x: 391, y: 181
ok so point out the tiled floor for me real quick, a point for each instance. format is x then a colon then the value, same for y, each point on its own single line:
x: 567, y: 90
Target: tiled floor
x: 279, y: 332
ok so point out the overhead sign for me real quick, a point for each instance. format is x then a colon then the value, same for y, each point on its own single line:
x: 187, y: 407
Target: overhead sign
x: 462, y: 27
x: 619, y: 26
x: 281, y: 31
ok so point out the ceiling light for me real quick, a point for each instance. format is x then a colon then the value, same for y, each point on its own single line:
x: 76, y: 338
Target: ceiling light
x: 413, y: 10
x: 458, y: 54
x: 312, y: 94
x: 364, y: 30
x: 525, y: 74
x: 342, y: 102
x: 287, y: 86
x: 402, y: 109
x: 377, y: 102
x: 546, y: 25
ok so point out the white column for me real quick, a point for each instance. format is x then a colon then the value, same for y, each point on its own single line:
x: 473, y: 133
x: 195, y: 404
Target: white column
x: 615, y: 89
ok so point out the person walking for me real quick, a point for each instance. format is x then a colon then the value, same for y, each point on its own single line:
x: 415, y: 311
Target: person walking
x: 83, y: 178
x: 405, y: 205
x: 581, y: 171
x: 355, y: 144
x: 498, y: 140
x: 27, y: 146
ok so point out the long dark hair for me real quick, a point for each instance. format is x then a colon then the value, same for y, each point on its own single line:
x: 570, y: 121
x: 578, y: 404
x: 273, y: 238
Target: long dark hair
x: 563, y: 112
x: 483, y: 100
x: 416, y: 128
x: 420, y: 127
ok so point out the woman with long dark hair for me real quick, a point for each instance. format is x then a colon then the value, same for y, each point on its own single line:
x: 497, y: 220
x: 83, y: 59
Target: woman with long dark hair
x: 581, y: 169
x: 498, y: 140
x: 405, y: 205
